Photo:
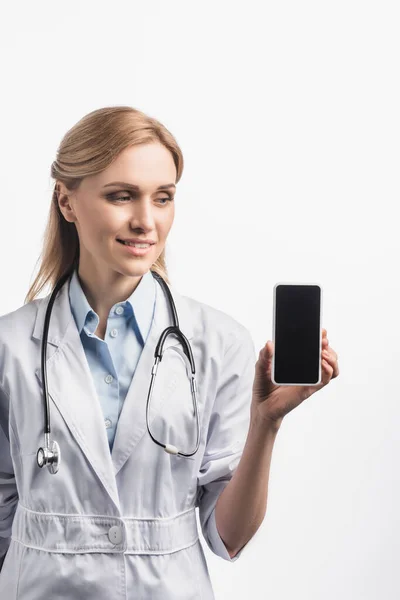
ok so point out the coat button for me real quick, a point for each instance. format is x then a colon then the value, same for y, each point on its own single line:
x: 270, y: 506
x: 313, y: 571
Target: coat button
x: 115, y: 534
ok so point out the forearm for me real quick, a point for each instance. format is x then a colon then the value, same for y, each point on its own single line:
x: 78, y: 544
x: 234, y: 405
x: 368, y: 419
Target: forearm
x: 242, y: 505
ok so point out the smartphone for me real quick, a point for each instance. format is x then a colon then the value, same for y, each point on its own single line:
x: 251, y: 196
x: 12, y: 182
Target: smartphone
x: 297, y: 334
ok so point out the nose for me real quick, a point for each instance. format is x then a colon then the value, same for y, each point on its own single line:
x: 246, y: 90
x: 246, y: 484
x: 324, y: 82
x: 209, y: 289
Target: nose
x: 142, y: 215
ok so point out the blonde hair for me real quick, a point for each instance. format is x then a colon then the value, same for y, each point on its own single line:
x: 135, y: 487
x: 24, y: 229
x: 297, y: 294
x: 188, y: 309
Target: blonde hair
x: 88, y: 148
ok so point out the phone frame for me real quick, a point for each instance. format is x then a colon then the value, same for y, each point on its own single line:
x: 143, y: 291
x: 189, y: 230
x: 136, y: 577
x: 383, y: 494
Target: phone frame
x: 320, y: 332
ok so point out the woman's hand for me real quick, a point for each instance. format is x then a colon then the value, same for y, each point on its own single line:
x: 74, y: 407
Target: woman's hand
x: 271, y: 402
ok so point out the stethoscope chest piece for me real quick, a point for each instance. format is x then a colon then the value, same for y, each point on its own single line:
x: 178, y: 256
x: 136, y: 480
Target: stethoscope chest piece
x: 49, y: 457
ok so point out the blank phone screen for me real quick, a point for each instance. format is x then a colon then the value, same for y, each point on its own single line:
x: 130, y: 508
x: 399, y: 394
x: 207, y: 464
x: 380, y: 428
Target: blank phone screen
x: 297, y: 334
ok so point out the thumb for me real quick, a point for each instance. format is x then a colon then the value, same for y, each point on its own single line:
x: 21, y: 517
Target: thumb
x: 263, y: 385
x: 266, y: 353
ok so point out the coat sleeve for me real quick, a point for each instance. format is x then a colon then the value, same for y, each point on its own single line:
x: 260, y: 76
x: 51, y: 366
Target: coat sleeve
x: 8, y: 488
x: 227, y: 433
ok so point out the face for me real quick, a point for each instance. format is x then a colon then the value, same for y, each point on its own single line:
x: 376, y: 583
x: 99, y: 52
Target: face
x: 104, y: 213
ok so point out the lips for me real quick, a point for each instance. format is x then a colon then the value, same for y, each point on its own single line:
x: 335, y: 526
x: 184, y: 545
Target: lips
x: 134, y: 250
x: 136, y: 241
x: 127, y: 242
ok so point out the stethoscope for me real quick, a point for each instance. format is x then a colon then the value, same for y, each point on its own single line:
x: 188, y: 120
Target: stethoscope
x: 50, y: 454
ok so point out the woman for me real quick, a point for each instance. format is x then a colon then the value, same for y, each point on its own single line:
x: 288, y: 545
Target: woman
x: 117, y: 520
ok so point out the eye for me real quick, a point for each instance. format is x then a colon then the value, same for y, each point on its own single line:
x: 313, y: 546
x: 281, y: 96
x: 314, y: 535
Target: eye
x: 168, y: 198
x: 120, y: 198
x: 114, y: 198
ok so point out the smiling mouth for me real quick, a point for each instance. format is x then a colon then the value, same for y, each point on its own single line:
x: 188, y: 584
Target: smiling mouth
x: 136, y: 244
x: 135, y: 251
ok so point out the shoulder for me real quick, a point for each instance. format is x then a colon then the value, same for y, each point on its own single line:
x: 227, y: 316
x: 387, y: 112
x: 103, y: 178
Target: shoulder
x: 16, y: 328
x: 17, y: 321
x: 209, y: 321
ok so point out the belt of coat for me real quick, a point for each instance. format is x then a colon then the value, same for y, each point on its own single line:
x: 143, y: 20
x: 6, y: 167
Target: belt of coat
x: 54, y: 532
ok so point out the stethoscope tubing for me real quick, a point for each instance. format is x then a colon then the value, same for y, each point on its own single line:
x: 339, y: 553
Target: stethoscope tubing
x: 49, y: 455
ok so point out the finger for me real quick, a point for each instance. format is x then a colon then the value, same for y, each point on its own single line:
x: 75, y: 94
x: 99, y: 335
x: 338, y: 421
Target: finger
x: 268, y: 350
x: 329, y: 353
x: 265, y: 353
x: 331, y: 361
x: 327, y: 372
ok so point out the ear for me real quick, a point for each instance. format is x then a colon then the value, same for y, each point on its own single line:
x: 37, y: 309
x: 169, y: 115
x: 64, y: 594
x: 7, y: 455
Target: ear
x: 64, y: 196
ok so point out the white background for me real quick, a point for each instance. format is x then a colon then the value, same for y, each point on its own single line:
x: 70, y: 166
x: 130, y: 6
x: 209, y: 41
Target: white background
x: 287, y: 114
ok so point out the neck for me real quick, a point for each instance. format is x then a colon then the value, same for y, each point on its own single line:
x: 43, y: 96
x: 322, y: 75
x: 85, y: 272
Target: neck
x: 103, y: 292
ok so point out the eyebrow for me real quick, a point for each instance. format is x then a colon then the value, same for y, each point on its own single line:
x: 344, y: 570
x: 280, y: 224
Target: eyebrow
x: 132, y: 186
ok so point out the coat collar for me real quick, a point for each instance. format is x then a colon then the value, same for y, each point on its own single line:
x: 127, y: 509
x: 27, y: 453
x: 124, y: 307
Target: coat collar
x: 71, y: 388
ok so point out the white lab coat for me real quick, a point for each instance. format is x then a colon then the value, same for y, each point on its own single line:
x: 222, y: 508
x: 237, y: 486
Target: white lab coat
x: 119, y: 525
